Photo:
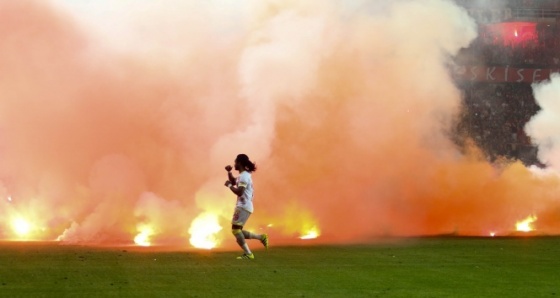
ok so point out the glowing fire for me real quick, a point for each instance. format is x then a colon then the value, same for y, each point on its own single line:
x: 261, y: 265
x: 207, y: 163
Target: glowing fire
x: 526, y: 224
x: 21, y: 226
x: 515, y: 33
x: 143, y: 238
x: 203, y: 231
x: 311, y: 233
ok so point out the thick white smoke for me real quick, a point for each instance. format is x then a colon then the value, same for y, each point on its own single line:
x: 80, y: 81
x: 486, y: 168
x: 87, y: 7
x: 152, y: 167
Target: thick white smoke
x: 544, y: 127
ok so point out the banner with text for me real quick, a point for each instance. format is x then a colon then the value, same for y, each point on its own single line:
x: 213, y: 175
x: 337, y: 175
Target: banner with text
x: 503, y: 74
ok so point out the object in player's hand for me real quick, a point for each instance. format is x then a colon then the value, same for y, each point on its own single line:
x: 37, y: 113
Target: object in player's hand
x: 228, y: 168
x: 228, y: 183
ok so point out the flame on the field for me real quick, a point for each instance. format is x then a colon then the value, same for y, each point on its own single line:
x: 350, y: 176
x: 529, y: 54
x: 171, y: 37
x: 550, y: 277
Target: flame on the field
x: 204, y: 231
x: 21, y: 227
x: 526, y: 225
x: 310, y: 233
x: 143, y: 237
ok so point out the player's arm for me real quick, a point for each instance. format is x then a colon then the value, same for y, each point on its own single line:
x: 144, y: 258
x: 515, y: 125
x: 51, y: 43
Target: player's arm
x: 231, y: 178
x: 240, y: 187
x: 230, y: 175
x: 238, y: 190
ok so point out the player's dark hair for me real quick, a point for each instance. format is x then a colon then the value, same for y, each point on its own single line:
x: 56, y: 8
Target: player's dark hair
x: 246, y: 163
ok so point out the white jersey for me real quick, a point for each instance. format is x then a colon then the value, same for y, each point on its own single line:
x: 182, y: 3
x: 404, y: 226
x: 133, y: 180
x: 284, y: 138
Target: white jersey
x: 245, y: 200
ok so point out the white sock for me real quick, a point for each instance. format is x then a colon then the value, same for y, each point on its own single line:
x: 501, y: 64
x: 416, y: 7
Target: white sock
x: 246, y: 249
x: 249, y: 235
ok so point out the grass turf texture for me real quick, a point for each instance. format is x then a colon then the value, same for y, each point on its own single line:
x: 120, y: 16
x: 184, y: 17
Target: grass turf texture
x: 420, y: 267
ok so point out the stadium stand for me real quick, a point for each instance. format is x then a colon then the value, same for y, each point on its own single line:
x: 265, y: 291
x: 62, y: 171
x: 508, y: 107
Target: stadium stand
x: 518, y: 45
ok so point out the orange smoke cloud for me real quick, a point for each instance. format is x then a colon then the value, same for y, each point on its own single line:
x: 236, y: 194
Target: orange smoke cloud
x: 116, y: 121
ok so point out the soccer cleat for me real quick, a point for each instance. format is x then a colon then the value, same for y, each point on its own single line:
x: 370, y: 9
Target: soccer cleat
x: 246, y: 257
x: 264, y: 240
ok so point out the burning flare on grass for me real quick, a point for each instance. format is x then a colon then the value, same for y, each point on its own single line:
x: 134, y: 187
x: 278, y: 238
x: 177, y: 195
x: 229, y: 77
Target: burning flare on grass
x: 526, y: 225
x: 21, y: 227
x: 143, y: 238
x: 204, y: 230
x: 311, y: 233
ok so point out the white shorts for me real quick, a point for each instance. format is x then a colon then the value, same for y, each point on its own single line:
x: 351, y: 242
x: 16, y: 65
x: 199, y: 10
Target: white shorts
x: 240, y: 216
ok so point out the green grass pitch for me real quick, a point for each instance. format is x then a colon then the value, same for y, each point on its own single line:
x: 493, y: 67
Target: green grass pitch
x: 419, y: 267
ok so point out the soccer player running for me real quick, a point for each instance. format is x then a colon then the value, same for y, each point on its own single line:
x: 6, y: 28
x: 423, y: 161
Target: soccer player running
x: 242, y: 186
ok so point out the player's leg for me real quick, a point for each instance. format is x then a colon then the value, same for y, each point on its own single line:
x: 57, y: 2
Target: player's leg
x: 263, y: 238
x: 237, y: 231
x: 240, y: 217
x: 249, y: 235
